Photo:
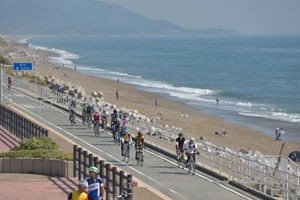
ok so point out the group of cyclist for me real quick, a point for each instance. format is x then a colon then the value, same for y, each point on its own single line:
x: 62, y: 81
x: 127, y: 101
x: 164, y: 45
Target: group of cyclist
x: 119, y: 124
x: 190, y: 147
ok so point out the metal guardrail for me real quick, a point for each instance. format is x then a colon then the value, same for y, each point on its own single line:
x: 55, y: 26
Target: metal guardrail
x: 252, y: 170
x: 20, y: 126
x: 116, y: 182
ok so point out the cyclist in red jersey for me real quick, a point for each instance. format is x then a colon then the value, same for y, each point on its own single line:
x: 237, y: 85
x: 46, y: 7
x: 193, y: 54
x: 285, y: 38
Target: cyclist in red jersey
x: 96, y: 118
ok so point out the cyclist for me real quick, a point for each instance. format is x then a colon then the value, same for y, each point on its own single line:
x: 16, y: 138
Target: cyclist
x: 139, y: 142
x: 84, y: 112
x: 95, y: 185
x: 103, y: 119
x: 80, y: 193
x: 89, y: 112
x: 9, y: 82
x: 72, y: 112
x: 180, y: 142
x: 191, y: 149
x: 127, y: 141
x: 96, y: 118
x: 113, y: 118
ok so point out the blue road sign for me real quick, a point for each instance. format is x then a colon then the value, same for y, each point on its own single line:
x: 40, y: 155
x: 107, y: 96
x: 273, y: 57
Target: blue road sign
x: 22, y: 66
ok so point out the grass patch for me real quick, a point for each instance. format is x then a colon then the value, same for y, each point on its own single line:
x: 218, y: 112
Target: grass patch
x: 4, y: 60
x: 41, y: 147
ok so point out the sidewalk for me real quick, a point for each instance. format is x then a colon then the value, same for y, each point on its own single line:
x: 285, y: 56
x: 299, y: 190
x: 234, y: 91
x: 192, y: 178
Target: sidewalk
x: 32, y: 186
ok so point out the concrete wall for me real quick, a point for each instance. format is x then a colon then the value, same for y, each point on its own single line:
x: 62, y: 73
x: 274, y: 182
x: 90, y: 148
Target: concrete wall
x: 48, y: 167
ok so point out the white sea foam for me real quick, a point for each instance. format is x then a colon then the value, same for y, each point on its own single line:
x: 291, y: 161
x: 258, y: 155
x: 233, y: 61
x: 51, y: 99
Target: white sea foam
x: 64, y: 57
x: 274, y: 115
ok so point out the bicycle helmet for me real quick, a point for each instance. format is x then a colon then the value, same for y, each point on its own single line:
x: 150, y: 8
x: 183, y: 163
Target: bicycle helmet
x: 83, y: 183
x: 192, y: 139
x: 140, y: 133
x: 93, y: 169
x: 180, y: 134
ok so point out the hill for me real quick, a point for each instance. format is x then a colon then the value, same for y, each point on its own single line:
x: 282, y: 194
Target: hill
x: 88, y: 17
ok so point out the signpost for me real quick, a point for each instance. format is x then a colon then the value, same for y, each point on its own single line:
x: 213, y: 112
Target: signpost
x: 22, y: 66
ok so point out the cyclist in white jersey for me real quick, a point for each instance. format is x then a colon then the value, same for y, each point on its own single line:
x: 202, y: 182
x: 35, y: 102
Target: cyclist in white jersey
x: 191, y: 148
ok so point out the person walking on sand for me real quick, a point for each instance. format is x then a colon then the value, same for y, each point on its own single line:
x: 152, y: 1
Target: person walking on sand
x: 156, y: 101
x: 117, y: 94
x: 217, y: 100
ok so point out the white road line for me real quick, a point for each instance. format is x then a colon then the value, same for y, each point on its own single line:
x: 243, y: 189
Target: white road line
x: 113, y: 157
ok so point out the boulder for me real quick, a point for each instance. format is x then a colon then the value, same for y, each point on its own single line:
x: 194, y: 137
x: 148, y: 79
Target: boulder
x: 99, y: 94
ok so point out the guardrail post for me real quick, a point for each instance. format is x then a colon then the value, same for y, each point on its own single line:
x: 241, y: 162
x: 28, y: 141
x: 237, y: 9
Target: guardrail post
x: 85, y: 163
x: 121, y: 182
x: 114, y: 180
x: 91, y: 159
x: 129, y: 187
x: 102, y: 168
x: 107, y: 180
x: 75, y: 158
x: 80, y: 163
x: 96, y: 163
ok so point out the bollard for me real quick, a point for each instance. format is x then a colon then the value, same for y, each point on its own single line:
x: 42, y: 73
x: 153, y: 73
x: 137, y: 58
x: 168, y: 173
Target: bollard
x: 129, y: 187
x: 75, y: 159
x: 107, y: 181
x: 114, y: 180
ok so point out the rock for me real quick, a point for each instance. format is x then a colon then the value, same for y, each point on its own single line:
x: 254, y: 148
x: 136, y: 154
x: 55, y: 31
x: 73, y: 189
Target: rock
x: 99, y: 94
x: 186, y: 115
x: 181, y: 115
x: 94, y: 94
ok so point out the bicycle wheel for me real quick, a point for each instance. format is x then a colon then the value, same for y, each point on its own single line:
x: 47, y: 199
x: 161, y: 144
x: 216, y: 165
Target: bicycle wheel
x: 141, y: 159
x: 193, y: 168
x: 97, y: 130
x: 138, y: 158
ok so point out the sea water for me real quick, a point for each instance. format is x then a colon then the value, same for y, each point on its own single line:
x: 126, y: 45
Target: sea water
x: 256, y: 78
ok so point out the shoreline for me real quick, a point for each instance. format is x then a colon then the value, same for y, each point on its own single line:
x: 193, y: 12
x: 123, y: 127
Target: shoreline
x: 198, y: 124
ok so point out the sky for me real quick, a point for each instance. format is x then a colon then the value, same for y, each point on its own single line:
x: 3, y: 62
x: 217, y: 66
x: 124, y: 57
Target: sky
x: 262, y: 17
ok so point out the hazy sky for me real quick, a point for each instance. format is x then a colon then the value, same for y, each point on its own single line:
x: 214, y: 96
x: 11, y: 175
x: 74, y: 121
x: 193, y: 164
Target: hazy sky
x: 244, y: 16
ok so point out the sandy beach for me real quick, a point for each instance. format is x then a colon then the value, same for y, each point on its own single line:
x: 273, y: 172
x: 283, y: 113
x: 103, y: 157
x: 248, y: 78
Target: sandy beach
x: 198, y: 124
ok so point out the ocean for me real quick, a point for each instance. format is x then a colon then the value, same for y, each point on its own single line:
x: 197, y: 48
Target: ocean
x: 256, y: 78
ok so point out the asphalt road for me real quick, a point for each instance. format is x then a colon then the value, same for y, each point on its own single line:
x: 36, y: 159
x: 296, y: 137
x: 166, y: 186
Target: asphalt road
x: 158, y: 171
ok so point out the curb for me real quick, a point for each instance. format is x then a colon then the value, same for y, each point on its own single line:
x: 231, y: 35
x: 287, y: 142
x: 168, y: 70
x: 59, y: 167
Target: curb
x: 251, y: 191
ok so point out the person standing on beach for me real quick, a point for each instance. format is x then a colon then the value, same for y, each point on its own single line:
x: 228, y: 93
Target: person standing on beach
x: 281, y: 133
x: 277, y: 134
x: 117, y: 94
x: 156, y: 101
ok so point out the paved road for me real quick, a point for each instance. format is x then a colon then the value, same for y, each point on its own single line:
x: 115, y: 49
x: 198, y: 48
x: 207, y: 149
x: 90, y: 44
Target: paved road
x: 158, y: 171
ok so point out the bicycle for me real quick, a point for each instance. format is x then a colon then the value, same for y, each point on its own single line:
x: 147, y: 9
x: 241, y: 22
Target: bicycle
x: 122, y: 196
x: 97, y: 129
x: 9, y: 86
x: 84, y: 118
x: 72, y: 118
x: 191, y: 164
x: 180, y: 158
x: 140, y: 156
x: 117, y: 138
x: 89, y: 120
x: 104, y: 125
x: 126, y: 152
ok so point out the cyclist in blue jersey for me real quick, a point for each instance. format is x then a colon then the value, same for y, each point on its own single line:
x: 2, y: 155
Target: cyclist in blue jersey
x: 95, y: 185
